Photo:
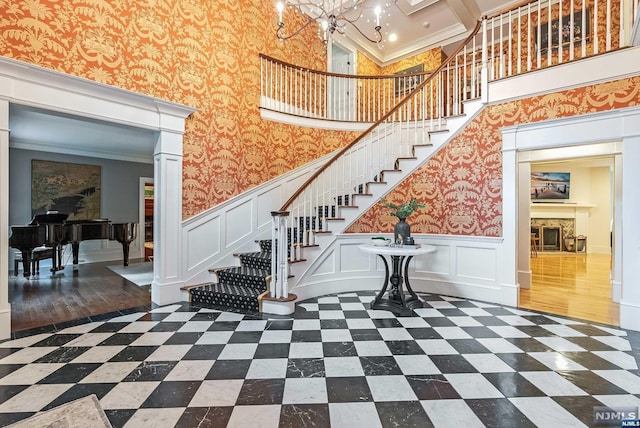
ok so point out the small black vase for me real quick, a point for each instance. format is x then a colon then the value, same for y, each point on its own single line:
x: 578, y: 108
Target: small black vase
x: 401, y: 228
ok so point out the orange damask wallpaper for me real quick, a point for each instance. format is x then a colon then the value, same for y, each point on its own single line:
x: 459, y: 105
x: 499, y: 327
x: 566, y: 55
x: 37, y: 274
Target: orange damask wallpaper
x: 431, y: 60
x: 195, y: 52
x: 462, y: 183
x: 528, y: 31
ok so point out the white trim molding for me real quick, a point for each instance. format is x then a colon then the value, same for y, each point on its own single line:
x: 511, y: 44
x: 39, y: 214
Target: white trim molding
x: 30, y: 85
x: 613, y: 133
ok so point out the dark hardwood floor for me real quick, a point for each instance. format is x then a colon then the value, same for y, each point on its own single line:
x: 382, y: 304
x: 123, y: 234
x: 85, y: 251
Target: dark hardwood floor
x: 69, y: 295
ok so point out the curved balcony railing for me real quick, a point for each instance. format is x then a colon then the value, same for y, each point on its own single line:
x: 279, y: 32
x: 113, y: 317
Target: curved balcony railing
x: 527, y: 37
x: 299, y: 91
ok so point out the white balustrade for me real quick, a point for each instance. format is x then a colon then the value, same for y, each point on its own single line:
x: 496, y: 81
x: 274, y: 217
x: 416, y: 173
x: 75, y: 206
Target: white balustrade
x: 404, y: 109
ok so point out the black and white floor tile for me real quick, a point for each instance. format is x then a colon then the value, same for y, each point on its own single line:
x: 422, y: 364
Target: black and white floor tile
x: 333, y: 363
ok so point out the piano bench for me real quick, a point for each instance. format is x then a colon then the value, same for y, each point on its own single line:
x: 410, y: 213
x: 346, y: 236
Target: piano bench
x: 17, y: 259
x: 40, y: 253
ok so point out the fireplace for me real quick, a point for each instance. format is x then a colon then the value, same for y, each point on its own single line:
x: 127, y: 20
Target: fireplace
x: 551, y: 238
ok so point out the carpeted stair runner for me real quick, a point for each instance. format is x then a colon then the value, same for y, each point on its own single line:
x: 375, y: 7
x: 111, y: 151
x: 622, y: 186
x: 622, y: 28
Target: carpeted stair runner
x: 238, y: 287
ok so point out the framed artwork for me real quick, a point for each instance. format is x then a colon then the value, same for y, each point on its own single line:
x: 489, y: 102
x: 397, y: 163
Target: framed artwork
x: 550, y: 185
x: 561, y: 31
x: 68, y: 188
x: 404, y: 85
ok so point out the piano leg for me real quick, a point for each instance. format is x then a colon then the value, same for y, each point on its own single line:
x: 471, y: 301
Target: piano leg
x: 26, y: 263
x: 58, y: 254
x: 125, y: 252
x: 75, y: 249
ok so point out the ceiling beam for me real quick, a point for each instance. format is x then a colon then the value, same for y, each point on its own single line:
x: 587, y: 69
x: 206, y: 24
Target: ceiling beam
x: 467, y: 12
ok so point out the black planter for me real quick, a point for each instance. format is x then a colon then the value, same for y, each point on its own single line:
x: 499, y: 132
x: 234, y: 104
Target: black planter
x: 403, y: 229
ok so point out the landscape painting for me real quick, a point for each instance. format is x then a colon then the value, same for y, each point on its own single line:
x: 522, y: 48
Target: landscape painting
x: 68, y: 188
x: 550, y: 185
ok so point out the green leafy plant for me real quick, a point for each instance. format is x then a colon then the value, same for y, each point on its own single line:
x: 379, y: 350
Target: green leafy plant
x: 403, y: 210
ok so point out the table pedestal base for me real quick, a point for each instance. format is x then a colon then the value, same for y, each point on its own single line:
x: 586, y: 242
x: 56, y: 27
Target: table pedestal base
x: 397, y: 301
x: 397, y: 307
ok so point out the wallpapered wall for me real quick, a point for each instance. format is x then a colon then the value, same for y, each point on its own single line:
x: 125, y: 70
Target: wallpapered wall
x: 461, y: 184
x: 591, y: 33
x: 431, y: 60
x: 195, y: 52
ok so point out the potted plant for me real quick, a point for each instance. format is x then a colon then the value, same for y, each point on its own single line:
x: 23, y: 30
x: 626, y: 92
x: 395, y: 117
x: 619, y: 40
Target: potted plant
x: 402, y: 230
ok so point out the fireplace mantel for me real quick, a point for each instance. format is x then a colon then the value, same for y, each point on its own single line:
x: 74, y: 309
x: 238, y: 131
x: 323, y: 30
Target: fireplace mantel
x: 560, y: 206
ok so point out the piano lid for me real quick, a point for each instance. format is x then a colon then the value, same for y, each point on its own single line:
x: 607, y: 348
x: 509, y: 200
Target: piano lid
x: 52, y: 217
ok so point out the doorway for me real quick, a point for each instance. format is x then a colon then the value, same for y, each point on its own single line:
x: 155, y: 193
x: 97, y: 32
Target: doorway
x: 342, y: 105
x: 145, y: 235
x: 571, y: 266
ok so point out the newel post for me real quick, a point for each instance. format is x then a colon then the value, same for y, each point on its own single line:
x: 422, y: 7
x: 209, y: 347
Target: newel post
x: 279, y: 260
x: 484, y: 71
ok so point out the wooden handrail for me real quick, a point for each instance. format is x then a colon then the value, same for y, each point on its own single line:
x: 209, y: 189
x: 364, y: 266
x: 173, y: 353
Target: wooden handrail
x: 352, y: 76
x: 509, y: 9
x: 382, y: 119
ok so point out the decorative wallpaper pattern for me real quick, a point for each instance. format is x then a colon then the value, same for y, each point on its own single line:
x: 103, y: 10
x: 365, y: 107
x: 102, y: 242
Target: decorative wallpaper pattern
x: 461, y: 184
x: 195, y: 52
x: 431, y: 60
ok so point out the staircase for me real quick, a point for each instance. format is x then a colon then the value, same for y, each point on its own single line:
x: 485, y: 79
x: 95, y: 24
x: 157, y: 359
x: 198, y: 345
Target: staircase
x: 238, y: 287
x: 242, y: 287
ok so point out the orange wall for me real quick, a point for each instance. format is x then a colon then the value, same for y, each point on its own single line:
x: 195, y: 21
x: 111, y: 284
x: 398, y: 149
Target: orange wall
x: 462, y: 183
x: 196, y: 52
x: 528, y: 39
x: 431, y: 60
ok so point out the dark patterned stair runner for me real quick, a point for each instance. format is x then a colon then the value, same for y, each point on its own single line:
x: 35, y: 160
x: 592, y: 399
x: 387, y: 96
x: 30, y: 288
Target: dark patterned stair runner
x: 238, y: 287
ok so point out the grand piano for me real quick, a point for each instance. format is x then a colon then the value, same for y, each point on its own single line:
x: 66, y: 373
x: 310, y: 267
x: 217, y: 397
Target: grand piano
x: 53, y: 230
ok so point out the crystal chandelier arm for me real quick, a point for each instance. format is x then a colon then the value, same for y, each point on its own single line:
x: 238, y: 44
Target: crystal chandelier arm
x: 378, y: 39
x: 283, y: 37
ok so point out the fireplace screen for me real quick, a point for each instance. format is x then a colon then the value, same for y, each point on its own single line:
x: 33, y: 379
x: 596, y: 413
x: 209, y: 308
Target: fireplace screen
x: 551, y: 238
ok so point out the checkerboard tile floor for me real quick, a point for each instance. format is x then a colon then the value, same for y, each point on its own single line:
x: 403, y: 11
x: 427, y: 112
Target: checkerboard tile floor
x: 333, y: 363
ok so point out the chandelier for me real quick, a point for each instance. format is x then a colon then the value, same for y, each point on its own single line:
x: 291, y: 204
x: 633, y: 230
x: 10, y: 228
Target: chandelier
x: 332, y: 17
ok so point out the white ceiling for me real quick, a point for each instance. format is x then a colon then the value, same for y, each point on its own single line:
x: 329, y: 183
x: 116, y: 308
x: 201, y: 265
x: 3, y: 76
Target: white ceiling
x: 35, y: 129
x: 420, y: 25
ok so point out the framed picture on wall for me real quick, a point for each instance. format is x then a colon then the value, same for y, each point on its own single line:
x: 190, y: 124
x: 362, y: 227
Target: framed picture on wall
x: 560, y: 31
x: 405, y: 84
x: 550, y: 185
x: 68, y: 188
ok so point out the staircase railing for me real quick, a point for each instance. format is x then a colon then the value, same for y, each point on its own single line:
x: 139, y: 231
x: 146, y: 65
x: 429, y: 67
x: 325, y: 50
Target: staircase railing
x: 299, y: 91
x: 524, y: 38
x: 365, y: 160
x: 544, y: 33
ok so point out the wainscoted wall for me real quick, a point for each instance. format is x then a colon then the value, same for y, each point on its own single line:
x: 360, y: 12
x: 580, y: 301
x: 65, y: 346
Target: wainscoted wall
x: 211, y: 238
x: 199, y: 53
x: 467, y: 266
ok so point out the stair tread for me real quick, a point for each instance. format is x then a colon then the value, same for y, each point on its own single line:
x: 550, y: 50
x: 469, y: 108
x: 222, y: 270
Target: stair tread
x: 238, y: 290
x: 246, y: 270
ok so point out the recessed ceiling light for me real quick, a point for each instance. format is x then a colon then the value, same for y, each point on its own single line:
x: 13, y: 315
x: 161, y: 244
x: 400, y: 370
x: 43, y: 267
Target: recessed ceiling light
x: 393, y: 37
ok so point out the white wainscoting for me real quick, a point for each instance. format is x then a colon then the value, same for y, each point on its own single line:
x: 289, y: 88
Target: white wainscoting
x: 211, y: 238
x: 462, y: 266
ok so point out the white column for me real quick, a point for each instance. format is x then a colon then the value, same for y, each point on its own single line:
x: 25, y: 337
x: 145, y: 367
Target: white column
x: 5, y: 307
x: 524, y: 224
x: 509, y: 250
x: 616, y: 254
x: 629, y: 233
x: 167, y: 219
